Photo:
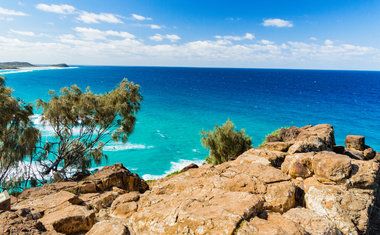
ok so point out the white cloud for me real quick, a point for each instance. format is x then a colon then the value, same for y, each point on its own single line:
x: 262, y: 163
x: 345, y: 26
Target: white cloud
x: 328, y: 42
x: 158, y: 37
x: 277, y: 23
x: 248, y: 36
x: 313, y: 38
x: 93, y: 46
x: 23, y: 33
x: 154, y: 26
x: 96, y: 34
x: 140, y: 17
x: 90, y: 18
x: 266, y: 42
x: 4, y: 11
x: 59, y: 9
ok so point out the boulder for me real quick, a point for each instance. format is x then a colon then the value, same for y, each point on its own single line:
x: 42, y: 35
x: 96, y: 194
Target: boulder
x: 348, y: 208
x: 5, y: 201
x: 312, y: 222
x: 313, y: 138
x: 69, y: 220
x: 49, y: 202
x: 119, y: 176
x: 364, y: 174
x: 298, y: 165
x: 338, y: 149
x: 369, y: 153
x: 203, y: 212
x: 289, y: 134
x: 15, y: 222
x: 275, y: 224
x: 275, y: 158
x: 355, y: 142
x: 329, y: 166
x: 280, y: 197
x: 190, y: 166
x: 277, y: 146
x: 125, y: 205
x: 108, y: 227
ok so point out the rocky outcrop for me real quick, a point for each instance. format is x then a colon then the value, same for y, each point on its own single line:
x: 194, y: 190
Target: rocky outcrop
x: 299, y: 182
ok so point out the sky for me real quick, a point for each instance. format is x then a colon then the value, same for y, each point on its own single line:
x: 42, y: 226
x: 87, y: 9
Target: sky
x: 296, y: 34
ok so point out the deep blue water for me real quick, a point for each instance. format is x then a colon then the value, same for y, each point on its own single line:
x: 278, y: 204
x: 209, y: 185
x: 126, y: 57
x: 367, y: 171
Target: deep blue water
x: 180, y: 102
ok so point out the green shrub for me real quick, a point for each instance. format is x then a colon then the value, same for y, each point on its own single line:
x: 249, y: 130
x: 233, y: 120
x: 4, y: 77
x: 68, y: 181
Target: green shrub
x: 225, y: 143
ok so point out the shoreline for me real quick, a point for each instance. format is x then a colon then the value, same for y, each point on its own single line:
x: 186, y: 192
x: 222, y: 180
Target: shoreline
x: 31, y: 69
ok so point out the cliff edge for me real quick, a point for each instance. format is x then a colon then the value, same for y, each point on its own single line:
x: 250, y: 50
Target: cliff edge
x: 299, y: 182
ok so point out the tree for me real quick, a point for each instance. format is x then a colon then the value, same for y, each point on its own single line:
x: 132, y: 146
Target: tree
x: 225, y: 143
x: 83, y: 123
x: 18, y: 137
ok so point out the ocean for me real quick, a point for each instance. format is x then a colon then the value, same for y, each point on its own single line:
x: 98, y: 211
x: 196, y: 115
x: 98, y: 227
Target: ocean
x: 181, y: 102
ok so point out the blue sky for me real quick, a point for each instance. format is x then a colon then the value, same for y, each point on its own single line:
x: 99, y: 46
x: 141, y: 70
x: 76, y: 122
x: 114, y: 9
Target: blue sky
x: 339, y: 34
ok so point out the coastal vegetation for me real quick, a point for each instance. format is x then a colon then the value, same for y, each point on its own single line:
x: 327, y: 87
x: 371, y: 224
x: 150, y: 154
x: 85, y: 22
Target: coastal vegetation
x: 225, y: 143
x: 82, y: 122
x: 18, y: 137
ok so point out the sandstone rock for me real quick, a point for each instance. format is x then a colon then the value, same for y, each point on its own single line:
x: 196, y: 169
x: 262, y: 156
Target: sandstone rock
x: 272, y: 138
x: 311, y: 221
x: 275, y: 224
x: 12, y: 222
x: 280, y: 197
x: 298, y: 165
x: 250, y: 157
x: 276, y: 158
x: 260, y: 226
x: 369, y: 153
x: 125, y: 198
x: 5, y: 201
x: 200, y: 213
x: 104, y: 200
x: 289, y: 134
x: 364, y: 174
x: 277, y: 146
x: 125, y: 209
x: 45, y: 203
x: 108, y: 227
x: 72, y: 219
x: 191, y: 166
x: 289, y: 226
x: 355, y: 142
x: 329, y: 166
x: 117, y: 175
x: 349, y: 209
x: 87, y: 187
x: 354, y: 154
x: 338, y: 149
x: 314, y: 138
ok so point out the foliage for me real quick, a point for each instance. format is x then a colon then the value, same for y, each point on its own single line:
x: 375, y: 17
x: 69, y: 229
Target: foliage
x: 83, y: 122
x: 175, y: 173
x: 18, y: 137
x: 225, y: 143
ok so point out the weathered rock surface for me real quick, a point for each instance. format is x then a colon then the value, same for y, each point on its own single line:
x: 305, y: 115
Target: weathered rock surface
x: 312, y: 222
x: 355, y: 142
x: 299, y: 182
x: 108, y: 227
x: 69, y: 220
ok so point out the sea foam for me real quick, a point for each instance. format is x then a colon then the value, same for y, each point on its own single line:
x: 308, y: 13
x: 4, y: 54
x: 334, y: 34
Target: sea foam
x: 175, y: 166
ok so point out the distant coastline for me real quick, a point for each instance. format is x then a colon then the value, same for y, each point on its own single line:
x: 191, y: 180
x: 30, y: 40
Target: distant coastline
x: 28, y: 66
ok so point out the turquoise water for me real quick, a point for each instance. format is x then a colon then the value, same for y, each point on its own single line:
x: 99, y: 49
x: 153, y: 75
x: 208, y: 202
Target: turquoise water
x: 180, y: 102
